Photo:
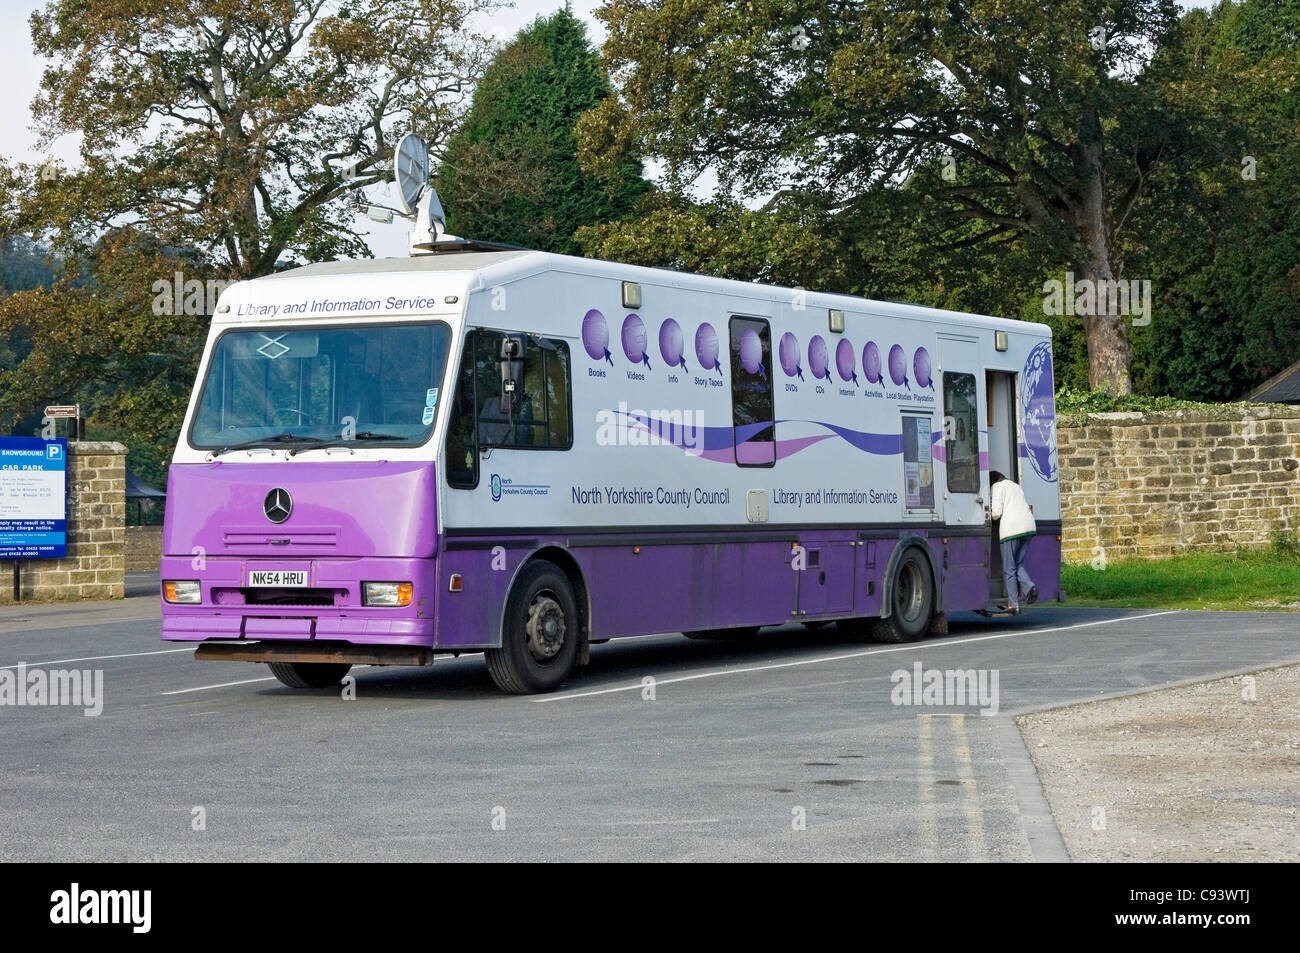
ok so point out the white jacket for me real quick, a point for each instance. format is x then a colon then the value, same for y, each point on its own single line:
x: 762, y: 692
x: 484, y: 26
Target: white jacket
x: 1009, y: 505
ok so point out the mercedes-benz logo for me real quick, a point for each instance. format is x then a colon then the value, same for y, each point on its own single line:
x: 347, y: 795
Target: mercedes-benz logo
x: 278, y: 505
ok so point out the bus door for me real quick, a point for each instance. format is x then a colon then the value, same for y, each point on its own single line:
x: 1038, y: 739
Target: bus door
x: 965, y: 483
x: 1004, y: 456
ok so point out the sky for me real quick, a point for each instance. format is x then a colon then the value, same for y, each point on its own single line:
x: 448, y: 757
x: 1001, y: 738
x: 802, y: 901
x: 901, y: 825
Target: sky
x: 20, y: 74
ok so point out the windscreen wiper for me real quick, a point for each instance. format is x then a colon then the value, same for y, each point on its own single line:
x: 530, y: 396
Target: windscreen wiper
x: 338, y: 440
x: 259, y: 441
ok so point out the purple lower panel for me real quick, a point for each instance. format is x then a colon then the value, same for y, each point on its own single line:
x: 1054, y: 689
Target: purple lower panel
x: 1044, y: 564
x: 471, y: 618
x: 672, y: 588
x: 964, y: 567
x: 224, y: 614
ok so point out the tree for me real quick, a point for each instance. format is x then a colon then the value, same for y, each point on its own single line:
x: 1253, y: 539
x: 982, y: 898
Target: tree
x: 511, y: 172
x: 219, y: 135
x: 1045, y: 122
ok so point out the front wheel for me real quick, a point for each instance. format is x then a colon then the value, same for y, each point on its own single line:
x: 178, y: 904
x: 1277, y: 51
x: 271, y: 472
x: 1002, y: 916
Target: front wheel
x: 309, y: 674
x: 540, y: 633
x: 911, y: 600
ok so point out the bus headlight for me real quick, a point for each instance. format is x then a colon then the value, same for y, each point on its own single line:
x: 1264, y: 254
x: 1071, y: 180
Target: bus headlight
x: 182, y: 591
x: 391, y: 594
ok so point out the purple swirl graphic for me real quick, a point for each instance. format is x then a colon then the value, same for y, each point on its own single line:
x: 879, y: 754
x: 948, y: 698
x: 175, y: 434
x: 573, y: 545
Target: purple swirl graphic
x: 818, y: 358
x: 871, y: 362
x: 595, y: 336
x: 788, y: 351
x: 672, y: 344
x: 751, y: 353
x: 636, y: 344
x: 921, y: 368
x: 898, y: 366
x: 844, y: 362
x: 706, y: 348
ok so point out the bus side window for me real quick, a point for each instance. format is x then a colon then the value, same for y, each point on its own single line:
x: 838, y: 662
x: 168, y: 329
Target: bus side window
x: 961, y: 433
x: 752, y: 406
x: 543, y: 419
x: 462, y: 451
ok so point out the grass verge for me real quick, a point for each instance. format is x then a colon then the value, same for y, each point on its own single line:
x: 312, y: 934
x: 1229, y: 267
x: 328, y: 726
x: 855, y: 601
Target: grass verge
x: 1250, y: 580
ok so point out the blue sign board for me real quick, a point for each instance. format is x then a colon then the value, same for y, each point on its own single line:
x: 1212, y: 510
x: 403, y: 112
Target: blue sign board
x: 33, y: 497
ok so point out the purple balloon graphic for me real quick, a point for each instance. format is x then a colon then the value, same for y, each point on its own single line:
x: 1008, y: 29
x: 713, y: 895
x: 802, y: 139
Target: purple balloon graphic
x: 818, y: 359
x: 595, y: 336
x: 751, y: 353
x: 871, y: 362
x: 921, y: 368
x: 898, y: 366
x: 789, y: 354
x: 844, y: 361
x: 671, y: 344
x: 706, y: 348
x: 635, y: 343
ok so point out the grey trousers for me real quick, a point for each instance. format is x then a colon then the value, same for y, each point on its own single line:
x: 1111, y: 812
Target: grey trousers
x: 1014, y: 572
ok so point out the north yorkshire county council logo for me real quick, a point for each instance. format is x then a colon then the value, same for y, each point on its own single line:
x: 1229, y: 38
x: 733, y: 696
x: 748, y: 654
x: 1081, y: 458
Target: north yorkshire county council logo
x: 496, y: 487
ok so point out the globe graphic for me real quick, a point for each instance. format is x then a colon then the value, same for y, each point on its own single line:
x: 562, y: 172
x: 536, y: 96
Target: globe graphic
x: 1038, y: 413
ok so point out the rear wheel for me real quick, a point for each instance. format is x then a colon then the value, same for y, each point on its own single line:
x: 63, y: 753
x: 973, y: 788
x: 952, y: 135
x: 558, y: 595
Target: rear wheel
x: 911, y: 600
x: 739, y: 634
x: 540, y: 634
x: 309, y: 674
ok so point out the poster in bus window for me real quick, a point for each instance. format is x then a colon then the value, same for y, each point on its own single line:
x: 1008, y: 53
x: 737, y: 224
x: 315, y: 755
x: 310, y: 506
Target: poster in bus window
x: 918, y: 464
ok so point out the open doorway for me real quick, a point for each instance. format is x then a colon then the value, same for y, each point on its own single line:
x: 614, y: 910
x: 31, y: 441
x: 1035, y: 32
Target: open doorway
x: 1004, y: 456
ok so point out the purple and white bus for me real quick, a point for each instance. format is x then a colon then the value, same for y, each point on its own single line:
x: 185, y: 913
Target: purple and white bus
x: 504, y: 450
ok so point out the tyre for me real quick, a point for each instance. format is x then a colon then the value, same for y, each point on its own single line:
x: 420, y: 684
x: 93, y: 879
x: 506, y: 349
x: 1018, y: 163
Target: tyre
x: 539, y: 635
x: 739, y: 634
x: 309, y: 674
x: 911, y: 600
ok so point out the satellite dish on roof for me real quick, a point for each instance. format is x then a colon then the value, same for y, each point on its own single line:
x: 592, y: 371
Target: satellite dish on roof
x: 411, y: 166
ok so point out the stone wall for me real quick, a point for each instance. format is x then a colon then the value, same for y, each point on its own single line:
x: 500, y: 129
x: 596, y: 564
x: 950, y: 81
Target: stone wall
x: 94, y: 566
x: 143, y: 548
x: 1160, y: 484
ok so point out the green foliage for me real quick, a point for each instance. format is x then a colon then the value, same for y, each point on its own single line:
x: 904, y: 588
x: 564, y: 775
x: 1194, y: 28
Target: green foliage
x: 215, y: 135
x: 1223, y: 259
x: 1284, y: 543
x: 1081, y: 402
x: 511, y: 173
x: 1007, y: 122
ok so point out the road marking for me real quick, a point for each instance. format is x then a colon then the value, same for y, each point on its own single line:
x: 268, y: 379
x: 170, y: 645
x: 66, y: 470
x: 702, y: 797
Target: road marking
x: 970, y: 802
x: 204, y: 688
x: 927, y: 822
x: 98, y: 658
x: 915, y: 646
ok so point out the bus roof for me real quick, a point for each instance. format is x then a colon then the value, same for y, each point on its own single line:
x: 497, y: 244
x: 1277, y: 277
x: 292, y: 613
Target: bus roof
x: 509, y: 263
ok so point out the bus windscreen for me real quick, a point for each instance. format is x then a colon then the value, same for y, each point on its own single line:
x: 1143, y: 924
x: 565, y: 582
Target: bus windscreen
x: 284, y: 386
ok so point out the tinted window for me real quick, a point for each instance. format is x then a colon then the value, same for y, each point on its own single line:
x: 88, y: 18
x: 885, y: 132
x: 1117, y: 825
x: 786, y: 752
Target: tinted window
x: 961, y: 433
x: 752, y: 413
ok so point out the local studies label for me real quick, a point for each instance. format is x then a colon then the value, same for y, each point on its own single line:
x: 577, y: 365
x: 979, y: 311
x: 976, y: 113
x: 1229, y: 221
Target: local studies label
x: 33, y: 497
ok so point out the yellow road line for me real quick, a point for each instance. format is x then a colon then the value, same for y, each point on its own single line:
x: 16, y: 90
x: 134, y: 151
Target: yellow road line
x: 976, y: 845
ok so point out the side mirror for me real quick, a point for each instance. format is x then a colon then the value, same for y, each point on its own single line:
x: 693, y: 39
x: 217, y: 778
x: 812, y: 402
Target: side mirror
x: 512, y: 373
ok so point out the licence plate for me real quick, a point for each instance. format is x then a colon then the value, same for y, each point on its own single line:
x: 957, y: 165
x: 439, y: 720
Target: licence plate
x: 278, y: 578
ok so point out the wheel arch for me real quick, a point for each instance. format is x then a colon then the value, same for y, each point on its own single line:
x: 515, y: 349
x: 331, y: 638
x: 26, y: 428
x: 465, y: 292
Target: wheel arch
x: 563, y: 560
x: 909, y: 541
